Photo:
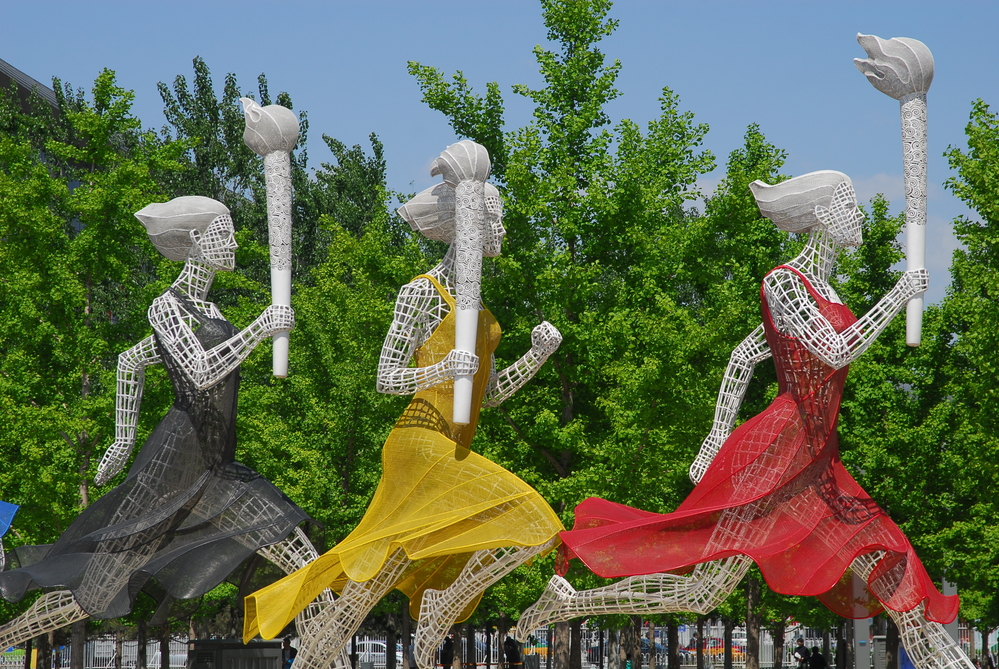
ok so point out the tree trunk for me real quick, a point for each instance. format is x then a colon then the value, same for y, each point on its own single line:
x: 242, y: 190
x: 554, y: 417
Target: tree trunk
x: 778, y: 631
x: 407, y: 636
x: 44, y: 652
x: 891, y: 645
x: 27, y: 654
x: 727, y: 638
x: 635, y: 642
x: 165, y: 647
x: 561, y: 646
x: 673, y: 642
x: 987, y: 662
x: 840, y: 647
x: 700, y: 643
x: 753, y: 620
x: 826, y: 644
x: 575, y: 653
x: 353, y: 651
x: 502, y: 627
x: 489, y: 646
x: 851, y: 646
x: 652, y: 646
x: 469, y: 646
x: 77, y: 644
x: 140, y: 657
x: 549, y: 647
x: 600, y: 649
x: 117, y: 650
x: 614, y: 650
x: 390, y: 647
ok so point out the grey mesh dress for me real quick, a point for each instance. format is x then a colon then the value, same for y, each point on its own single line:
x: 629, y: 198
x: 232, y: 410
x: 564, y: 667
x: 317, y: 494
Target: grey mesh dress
x: 187, y: 514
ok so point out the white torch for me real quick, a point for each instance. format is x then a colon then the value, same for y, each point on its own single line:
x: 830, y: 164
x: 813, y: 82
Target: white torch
x: 465, y: 167
x: 902, y: 68
x: 271, y: 132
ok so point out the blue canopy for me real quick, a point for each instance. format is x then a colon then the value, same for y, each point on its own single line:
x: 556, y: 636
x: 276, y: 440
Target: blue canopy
x: 7, y: 511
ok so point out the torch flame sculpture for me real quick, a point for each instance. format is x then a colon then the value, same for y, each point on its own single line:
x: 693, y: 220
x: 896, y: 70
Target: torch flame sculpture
x: 271, y: 132
x: 902, y: 68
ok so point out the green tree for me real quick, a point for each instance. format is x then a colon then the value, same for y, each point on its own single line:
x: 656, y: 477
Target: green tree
x: 964, y: 422
x: 76, y: 284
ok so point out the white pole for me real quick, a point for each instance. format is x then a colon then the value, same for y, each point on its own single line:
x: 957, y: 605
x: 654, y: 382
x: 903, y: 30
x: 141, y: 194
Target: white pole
x: 271, y: 132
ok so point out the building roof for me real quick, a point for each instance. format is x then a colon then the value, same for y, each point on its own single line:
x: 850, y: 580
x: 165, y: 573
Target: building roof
x: 25, y: 84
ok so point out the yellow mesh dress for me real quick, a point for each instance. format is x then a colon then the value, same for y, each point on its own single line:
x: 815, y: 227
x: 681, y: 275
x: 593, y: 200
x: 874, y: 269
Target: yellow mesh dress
x: 437, y: 500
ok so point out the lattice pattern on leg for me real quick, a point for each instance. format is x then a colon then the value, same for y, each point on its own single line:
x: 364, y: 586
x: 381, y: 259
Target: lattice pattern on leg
x: 702, y: 591
x: 51, y: 611
x: 441, y: 608
x: 292, y: 554
x: 927, y: 643
x: 334, y: 625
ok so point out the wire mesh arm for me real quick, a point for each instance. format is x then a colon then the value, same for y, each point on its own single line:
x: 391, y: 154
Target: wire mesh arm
x: 749, y: 353
x: 205, y: 367
x: 131, y: 380
x: 545, y: 340
x: 419, y: 309
x: 795, y: 312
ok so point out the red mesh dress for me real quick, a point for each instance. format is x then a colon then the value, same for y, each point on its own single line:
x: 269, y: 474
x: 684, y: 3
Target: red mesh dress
x: 777, y: 492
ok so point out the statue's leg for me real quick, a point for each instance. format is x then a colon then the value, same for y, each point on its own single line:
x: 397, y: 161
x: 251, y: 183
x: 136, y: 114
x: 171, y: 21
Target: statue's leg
x: 928, y: 644
x: 701, y: 591
x: 51, y: 611
x: 290, y: 555
x: 441, y: 608
x: 331, y: 627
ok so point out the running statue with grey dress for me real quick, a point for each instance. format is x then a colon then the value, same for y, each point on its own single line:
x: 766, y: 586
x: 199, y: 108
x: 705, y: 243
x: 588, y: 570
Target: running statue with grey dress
x: 186, y: 514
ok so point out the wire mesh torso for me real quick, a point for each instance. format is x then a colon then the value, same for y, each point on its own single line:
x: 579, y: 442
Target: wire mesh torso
x: 777, y: 492
x: 186, y: 514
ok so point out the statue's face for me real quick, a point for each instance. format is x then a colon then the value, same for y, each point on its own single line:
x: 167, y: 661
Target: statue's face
x: 494, y: 232
x: 218, y: 245
x: 843, y: 217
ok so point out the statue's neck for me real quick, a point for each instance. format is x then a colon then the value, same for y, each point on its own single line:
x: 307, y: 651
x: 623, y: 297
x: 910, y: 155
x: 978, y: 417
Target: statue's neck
x: 196, y: 277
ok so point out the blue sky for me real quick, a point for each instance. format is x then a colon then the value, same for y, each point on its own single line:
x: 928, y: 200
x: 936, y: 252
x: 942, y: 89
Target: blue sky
x: 784, y: 65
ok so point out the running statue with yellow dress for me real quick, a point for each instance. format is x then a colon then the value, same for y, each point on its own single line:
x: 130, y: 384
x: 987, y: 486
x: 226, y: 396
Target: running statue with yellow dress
x: 445, y: 523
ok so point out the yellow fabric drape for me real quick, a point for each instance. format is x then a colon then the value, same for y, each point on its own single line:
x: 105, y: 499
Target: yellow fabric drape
x: 437, y: 500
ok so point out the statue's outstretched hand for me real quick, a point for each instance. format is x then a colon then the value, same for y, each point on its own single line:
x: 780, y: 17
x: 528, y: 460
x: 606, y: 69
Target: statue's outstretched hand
x: 113, y: 461
x: 545, y: 339
x: 709, y: 448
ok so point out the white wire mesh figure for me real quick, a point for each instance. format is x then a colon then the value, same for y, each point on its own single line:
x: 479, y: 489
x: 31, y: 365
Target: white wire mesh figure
x: 776, y: 485
x: 445, y: 522
x: 186, y: 513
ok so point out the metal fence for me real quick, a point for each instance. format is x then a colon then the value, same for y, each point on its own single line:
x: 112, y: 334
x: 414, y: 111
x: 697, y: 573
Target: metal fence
x: 595, y: 648
x: 99, y: 653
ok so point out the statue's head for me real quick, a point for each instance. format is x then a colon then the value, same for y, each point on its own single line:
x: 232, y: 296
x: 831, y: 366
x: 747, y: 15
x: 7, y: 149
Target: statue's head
x: 191, y: 223
x: 825, y: 198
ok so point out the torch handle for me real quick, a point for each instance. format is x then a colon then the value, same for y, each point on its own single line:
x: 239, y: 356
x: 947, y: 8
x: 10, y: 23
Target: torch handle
x: 914, y: 162
x: 277, y: 173
x: 466, y: 333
